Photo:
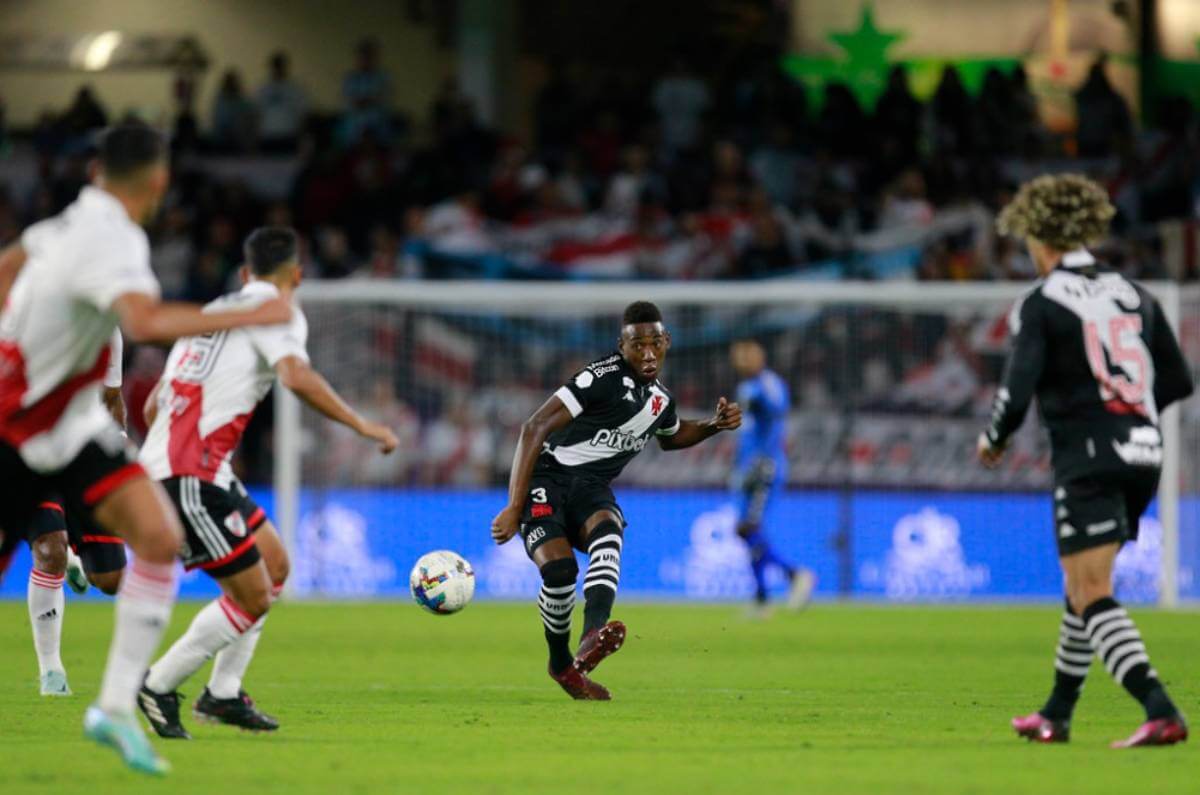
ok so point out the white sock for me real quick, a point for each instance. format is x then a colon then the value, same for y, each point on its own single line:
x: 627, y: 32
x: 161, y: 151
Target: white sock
x: 217, y: 625
x: 143, y: 611
x: 229, y: 668
x: 46, y: 604
x: 232, y: 661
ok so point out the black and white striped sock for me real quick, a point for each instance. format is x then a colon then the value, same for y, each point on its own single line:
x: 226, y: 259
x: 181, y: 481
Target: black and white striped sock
x: 556, y: 603
x: 1072, y: 658
x: 603, y: 575
x: 1116, y: 641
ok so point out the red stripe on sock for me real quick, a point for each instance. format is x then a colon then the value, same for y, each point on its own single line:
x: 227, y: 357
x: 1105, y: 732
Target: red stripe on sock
x: 44, y: 580
x: 237, y: 618
x: 164, y: 573
x: 149, y: 581
x: 249, y: 619
x: 103, y: 540
x: 51, y: 506
x: 111, y: 482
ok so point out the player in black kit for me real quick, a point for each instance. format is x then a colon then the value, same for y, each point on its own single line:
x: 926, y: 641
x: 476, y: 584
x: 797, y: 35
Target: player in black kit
x: 559, y: 497
x: 1099, y: 354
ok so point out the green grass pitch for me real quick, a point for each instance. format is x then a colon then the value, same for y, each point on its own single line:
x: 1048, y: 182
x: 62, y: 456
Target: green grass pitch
x: 382, y: 698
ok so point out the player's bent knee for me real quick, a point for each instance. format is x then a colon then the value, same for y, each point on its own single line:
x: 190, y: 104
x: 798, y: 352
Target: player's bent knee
x: 160, y: 546
x: 108, y: 582
x: 560, y: 572
x: 278, y: 565
x: 50, y: 553
x: 609, y: 526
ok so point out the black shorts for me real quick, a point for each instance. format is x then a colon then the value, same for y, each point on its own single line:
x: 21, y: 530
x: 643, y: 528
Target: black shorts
x: 218, y: 525
x: 99, y: 469
x: 100, y: 552
x: 1096, y: 510
x: 558, y: 505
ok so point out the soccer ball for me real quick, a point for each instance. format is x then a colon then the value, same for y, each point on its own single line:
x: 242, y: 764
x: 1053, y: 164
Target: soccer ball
x: 442, y: 582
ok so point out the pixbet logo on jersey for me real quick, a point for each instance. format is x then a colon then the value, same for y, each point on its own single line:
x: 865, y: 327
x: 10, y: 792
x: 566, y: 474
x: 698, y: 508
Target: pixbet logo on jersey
x: 618, y: 440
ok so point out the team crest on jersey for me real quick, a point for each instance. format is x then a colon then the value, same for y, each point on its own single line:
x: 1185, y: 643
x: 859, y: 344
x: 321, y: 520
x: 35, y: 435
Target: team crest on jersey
x: 235, y: 524
x: 656, y: 405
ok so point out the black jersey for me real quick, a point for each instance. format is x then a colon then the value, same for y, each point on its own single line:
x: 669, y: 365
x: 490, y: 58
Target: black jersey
x: 1099, y: 354
x: 614, y: 415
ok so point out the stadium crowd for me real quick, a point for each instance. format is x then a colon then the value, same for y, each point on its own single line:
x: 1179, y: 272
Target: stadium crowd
x: 675, y: 178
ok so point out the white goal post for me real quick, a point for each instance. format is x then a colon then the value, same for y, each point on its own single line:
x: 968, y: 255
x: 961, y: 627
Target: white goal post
x: 347, y: 299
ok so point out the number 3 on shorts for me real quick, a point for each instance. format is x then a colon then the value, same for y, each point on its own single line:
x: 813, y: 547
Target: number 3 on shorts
x: 538, y: 495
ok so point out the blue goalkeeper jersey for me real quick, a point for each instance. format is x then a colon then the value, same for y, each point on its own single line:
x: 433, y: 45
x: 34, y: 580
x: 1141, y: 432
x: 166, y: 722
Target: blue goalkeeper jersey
x: 765, y: 402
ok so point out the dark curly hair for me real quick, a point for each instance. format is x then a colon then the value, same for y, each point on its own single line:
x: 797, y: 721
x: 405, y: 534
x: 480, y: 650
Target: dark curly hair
x: 1064, y: 211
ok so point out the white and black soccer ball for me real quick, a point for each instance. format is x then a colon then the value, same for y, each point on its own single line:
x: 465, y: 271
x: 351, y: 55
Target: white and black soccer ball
x: 442, y: 582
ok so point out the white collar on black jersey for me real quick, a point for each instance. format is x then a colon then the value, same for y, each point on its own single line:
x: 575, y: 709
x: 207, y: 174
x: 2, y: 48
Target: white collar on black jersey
x: 1079, y: 258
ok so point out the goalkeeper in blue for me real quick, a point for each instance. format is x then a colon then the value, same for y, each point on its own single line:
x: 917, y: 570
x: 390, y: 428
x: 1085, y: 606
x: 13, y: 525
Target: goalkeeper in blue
x: 761, y: 468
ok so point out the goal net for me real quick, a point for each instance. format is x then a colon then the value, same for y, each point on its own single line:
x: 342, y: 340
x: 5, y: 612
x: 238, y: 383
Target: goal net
x: 890, y: 385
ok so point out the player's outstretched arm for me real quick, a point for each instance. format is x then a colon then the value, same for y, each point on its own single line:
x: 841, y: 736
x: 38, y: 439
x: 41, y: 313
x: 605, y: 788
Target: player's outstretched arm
x: 552, y: 415
x: 301, y: 379
x: 146, y: 319
x: 693, y: 432
x: 12, y: 260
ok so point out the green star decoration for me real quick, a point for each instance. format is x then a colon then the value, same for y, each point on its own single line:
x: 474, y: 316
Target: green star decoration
x: 866, y: 65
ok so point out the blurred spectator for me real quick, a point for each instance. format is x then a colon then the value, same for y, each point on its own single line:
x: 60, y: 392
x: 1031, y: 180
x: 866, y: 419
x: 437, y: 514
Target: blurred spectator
x: 456, y: 226
x: 681, y: 99
x: 172, y: 253
x: 233, y: 122
x: 554, y: 112
x: 777, y: 164
x: 898, y: 114
x: 84, y: 115
x: 842, y: 125
x: 282, y: 107
x: 185, y: 128
x: 631, y: 184
x: 954, y: 115
x: 384, y: 258
x: 1105, y: 124
x: 459, y: 449
x: 905, y: 204
x: 767, y: 251
x: 367, y: 94
x: 999, y: 115
x: 334, y: 260
x: 4, y: 142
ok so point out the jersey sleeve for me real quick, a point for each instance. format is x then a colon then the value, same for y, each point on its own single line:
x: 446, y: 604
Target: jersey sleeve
x: 669, y: 426
x: 116, y: 267
x: 278, y: 342
x: 586, y: 389
x: 33, y: 237
x: 1172, y: 375
x: 1022, y: 372
x: 116, y: 347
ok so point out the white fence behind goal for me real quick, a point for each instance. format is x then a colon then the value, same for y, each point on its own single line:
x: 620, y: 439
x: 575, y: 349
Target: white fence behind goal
x: 891, y: 382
